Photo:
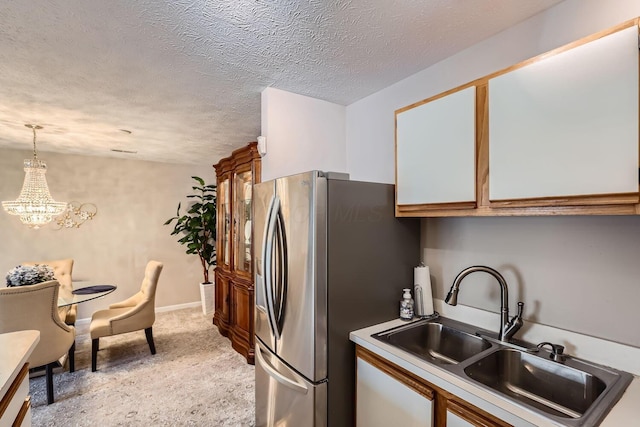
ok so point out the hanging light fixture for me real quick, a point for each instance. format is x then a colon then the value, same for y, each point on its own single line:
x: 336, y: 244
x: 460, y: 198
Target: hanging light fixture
x: 35, y: 206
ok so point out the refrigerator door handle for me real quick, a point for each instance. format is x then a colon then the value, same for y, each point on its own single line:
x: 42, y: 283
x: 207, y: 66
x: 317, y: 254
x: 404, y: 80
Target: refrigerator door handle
x: 298, y: 386
x: 266, y: 266
x: 282, y: 274
x: 268, y: 260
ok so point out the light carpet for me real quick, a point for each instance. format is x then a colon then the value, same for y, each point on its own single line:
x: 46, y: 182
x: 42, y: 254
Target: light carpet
x: 194, y: 379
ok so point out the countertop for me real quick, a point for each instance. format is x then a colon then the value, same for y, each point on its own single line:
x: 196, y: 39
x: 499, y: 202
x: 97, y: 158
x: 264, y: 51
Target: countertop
x: 15, y: 349
x: 625, y: 412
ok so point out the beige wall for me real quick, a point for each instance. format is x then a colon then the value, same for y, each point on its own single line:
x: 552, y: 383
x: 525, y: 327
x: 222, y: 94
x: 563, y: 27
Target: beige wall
x: 134, y: 199
x: 577, y: 273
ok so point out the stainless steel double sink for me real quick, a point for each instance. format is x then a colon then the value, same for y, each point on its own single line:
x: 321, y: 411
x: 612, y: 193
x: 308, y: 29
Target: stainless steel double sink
x: 573, y: 392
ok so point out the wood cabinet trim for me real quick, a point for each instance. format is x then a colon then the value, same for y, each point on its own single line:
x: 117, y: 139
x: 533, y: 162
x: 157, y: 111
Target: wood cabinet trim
x: 527, y: 211
x: 409, y: 379
x: 436, y: 206
x: 482, y: 144
x: 589, y: 199
x: 22, y: 413
x: 582, y: 41
x: 13, y: 388
x: 475, y: 416
x: 476, y: 82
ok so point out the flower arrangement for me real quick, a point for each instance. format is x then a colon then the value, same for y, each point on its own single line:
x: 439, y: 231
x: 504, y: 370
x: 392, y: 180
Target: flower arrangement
x: 29, y: 275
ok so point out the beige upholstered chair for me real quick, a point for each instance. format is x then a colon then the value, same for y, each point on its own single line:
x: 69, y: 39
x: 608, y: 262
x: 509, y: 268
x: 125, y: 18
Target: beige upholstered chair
x: 35, y: 307
x: 62, y: 270
x: 132, y: 314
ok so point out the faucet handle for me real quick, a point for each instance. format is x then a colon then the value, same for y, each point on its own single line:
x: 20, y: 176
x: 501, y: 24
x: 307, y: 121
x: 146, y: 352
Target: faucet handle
x: 514, y: 324
x: 520, y: 308
x: 518, y: 317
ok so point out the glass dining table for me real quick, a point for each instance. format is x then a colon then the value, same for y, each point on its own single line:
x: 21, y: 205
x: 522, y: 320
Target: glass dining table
x: 84, y: 294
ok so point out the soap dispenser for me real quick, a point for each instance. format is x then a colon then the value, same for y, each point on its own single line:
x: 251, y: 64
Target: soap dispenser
x: 406, y: 305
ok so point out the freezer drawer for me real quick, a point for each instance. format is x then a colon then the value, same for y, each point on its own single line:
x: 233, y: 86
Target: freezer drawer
x: 284, y: 398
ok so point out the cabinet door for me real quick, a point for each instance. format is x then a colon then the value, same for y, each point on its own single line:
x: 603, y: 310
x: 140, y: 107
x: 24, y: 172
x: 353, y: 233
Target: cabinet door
x: 242, y: 190
x: 224, y: 222
x: 242, y: 307
x: 566, y: 125
x: 384, y: 400
x: 242, y: 330
x: 222, y: 302
x: 436, y: 151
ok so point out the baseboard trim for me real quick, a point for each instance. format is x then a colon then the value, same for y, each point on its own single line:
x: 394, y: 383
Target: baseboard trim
x: 178, y: 306
x: 87, y: 320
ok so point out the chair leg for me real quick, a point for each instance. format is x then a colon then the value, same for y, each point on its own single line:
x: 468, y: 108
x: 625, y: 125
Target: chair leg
x: 49, y: 374
x: 95, y: 343
x: 148, y: 332
x: 72, y: 357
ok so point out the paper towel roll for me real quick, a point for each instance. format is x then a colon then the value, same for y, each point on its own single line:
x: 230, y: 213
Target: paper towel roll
x: 422, y: 291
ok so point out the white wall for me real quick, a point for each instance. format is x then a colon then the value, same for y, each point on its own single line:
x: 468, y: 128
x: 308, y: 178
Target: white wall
x: 577, y: 273
x: 134, y: 199
x: 302, y: 134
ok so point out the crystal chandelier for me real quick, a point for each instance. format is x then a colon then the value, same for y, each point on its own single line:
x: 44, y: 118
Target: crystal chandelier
x: 35, y: 206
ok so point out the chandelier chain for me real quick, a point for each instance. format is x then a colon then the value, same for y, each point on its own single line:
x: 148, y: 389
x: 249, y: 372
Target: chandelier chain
x: 35, y: 153
x: 33, y: 128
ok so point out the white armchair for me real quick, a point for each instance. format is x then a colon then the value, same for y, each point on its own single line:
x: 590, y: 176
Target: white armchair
x: 35, y: 307
x: 132, y: 314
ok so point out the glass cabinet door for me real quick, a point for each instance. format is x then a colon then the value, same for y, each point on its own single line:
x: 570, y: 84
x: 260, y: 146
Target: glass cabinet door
x: 225, y: 218
x: 242, y: 221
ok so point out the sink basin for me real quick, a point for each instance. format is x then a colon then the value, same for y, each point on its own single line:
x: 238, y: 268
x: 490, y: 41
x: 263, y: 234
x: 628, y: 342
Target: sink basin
x: 572, y: 393
x: 435, y: 341
x: 566, y: 391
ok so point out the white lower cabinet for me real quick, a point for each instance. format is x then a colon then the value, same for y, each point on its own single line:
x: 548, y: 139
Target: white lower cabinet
x: 388, y: 395
x: 387, y: 401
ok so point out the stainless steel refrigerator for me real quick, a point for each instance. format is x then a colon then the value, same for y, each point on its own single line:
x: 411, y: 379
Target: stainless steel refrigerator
x: 330, y: 257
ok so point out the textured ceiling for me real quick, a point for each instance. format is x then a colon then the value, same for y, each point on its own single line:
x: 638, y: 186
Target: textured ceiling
x: 185, y: 76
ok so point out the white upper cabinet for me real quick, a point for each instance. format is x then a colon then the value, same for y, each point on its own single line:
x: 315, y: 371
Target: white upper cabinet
x: 435, y: 150
x: 561, y: 126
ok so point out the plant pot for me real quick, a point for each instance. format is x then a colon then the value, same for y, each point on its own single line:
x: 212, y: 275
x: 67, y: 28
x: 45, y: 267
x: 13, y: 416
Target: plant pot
x: 207, y: 297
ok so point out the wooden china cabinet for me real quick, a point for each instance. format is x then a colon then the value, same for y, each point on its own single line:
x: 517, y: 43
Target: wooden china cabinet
x: 234, y: 290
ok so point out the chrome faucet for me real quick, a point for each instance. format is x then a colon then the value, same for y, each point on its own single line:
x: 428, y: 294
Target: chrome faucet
x: 507, y: 327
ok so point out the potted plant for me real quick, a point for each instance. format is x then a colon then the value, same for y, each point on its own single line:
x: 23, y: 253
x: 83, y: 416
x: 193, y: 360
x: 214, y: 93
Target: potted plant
x: 197, y: 228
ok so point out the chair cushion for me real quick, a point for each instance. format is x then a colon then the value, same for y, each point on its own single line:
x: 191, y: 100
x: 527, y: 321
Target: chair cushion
x: 101, y: 321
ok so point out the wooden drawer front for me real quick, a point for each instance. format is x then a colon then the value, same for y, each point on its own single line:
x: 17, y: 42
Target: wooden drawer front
x: 12, y: 403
